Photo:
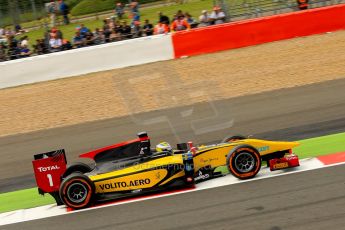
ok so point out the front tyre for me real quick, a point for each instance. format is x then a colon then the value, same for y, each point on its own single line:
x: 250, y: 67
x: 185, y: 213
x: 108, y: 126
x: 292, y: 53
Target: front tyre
x: 244, y: 162
x: 76, y: 191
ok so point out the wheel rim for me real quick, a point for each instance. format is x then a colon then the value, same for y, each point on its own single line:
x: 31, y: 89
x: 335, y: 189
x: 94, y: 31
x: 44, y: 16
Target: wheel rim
x: 77, y: 192
x: 244, y: 162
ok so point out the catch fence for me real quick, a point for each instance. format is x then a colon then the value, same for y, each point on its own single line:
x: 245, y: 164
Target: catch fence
x: 245, y: 9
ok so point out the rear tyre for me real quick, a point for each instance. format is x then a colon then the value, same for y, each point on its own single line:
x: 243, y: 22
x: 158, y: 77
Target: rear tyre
x: 76, y: 191
x: 244, y: 162
x: 233, y: 138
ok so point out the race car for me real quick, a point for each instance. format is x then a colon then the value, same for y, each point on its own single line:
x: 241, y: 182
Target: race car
x: 132, y: 167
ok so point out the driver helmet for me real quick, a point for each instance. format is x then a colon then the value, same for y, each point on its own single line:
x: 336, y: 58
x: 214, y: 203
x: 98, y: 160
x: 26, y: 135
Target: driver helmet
x: 163, y: 147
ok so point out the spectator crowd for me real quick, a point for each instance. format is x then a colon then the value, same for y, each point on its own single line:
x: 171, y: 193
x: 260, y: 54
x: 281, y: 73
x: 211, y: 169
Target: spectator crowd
x: 113, y: 29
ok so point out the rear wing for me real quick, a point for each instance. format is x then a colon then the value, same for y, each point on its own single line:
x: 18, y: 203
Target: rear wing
x: 49, y: 168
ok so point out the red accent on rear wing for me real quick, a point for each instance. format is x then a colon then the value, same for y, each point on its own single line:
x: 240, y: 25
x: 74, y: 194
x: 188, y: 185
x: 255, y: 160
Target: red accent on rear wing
x: 48, y: 169
x: 94, y: 153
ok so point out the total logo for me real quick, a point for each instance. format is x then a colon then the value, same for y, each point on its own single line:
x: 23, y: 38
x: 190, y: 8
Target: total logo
x: 48, y: 168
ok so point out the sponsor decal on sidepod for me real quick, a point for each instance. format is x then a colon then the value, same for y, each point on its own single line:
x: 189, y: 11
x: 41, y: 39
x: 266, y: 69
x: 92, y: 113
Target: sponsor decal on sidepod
x: 125, y: 184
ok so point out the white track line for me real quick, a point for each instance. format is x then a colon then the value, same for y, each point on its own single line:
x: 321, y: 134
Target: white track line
x: 53, y: 210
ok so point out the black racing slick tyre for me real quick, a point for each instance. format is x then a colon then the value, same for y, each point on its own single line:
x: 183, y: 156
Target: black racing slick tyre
x: 233, y: 138
x: 77, y: 167
x: 244, y: 162
x: 76, y: 191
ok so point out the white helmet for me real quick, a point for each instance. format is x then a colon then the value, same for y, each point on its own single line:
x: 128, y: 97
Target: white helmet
x: 163, y: 146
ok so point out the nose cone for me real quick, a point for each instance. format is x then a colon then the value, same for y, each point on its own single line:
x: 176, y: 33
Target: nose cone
x: 294, y: 144
x: 288, y: 145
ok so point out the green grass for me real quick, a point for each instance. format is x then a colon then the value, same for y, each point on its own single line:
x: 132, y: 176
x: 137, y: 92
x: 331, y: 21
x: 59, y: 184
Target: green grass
x: 29, y: 198
x: 26, y: 19
x: 96, y: 6
x: 72, y: 3
x: 92, y: 6
x: 67, y: 30
x: 321, y: 145
x: 193, y: 7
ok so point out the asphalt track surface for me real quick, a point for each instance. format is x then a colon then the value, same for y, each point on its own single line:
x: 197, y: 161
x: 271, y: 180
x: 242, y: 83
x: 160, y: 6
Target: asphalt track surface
x: 307, y: 200
x: 288, y: 114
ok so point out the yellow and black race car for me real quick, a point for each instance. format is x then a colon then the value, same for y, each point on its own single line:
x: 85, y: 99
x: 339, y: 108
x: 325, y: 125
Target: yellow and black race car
x: 132, y: 167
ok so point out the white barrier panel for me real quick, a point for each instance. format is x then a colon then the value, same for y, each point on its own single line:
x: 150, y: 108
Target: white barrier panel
x: 86, y: 60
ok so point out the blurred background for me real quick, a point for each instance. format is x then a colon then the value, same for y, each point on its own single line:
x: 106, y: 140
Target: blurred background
x: 31, y: 13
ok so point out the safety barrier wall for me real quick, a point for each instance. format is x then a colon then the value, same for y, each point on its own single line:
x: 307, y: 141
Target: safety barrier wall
x: 165, y: 47
x: 257, y: 31
x: 85, y: 60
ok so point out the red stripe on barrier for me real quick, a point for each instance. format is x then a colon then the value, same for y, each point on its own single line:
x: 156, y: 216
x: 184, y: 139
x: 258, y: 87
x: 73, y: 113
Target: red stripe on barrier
x: 257, y: 31
x: 332, y: 158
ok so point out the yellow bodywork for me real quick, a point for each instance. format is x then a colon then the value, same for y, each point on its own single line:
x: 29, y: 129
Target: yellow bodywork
x: 140, y: 176
x: 154, y: 172
x: 215, y: 155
